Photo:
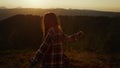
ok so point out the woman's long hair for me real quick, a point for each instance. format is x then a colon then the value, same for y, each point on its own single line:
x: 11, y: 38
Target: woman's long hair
x: 50, y: 20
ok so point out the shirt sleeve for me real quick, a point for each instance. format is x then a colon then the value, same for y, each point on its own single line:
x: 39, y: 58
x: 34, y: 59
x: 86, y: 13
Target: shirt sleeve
x: 43, y: 48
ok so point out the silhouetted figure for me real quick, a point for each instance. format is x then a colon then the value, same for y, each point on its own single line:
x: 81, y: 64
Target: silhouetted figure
x: 50, y: 54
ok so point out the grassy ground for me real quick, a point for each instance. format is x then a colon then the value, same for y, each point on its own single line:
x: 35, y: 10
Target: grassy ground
x: 20, y: 59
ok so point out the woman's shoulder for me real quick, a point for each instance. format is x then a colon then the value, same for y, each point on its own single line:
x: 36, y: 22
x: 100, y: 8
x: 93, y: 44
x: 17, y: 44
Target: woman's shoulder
x: 54, y: 32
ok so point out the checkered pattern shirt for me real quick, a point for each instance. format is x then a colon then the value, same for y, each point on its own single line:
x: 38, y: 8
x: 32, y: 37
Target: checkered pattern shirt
x: 50, y: 53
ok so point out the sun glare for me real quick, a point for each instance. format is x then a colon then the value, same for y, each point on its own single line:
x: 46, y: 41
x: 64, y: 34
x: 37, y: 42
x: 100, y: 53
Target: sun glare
x: 77, y: 4
x: 35, y: 3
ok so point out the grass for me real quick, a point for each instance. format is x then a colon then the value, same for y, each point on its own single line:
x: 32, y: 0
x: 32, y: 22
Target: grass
x: 20, y: 59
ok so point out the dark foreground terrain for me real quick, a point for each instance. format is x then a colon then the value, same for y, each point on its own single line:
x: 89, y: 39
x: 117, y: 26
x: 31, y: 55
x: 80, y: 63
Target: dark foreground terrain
x: 20, y: 59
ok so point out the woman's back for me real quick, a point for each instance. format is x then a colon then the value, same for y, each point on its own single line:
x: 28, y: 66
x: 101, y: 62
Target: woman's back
x: 50, y: 54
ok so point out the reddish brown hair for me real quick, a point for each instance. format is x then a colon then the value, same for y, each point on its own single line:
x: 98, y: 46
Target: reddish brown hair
x: 50, y: 20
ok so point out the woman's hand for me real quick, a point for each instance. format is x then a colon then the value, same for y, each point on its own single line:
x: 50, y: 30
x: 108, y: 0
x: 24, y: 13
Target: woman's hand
x: 74, y: 37
x: 33, y: 62
x: 80, y: 34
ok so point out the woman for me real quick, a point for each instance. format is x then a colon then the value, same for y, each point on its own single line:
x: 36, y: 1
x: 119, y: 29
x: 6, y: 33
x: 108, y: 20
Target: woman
x: 50, y: 54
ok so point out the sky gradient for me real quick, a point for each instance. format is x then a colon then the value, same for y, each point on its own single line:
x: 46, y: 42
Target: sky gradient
x: 103, y: 5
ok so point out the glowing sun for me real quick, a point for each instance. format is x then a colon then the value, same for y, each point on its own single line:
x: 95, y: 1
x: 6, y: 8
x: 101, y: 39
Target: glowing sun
x: 35, y: 3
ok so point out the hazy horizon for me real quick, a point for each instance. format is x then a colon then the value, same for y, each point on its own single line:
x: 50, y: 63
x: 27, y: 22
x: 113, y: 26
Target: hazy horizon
x: 106, y: 5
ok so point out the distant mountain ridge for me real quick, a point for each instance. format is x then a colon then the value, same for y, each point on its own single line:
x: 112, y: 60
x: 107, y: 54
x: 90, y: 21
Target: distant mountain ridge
x: 3, y: 8
x: 4, y: 13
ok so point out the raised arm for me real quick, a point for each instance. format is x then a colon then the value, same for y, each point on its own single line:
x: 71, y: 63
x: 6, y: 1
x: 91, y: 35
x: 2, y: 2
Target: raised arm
x: 74, y: 37
x: 44, y: 47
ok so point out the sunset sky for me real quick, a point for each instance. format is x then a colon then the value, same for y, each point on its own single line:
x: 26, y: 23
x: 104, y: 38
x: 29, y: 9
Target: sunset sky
x: 103, y: 5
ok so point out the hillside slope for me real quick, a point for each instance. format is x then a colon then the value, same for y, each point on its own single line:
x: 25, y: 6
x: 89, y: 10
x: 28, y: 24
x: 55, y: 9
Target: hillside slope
x: 102, y: 34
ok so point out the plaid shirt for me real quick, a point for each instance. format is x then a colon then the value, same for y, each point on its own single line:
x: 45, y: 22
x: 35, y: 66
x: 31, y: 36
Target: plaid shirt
x: 50, y: 53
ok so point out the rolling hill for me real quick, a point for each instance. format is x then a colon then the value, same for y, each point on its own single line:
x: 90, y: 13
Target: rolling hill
x: 102, y: 34
x: 5, y: 13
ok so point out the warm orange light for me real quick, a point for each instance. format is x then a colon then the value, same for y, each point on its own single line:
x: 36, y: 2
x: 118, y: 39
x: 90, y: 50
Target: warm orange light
x: 34, y: 3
